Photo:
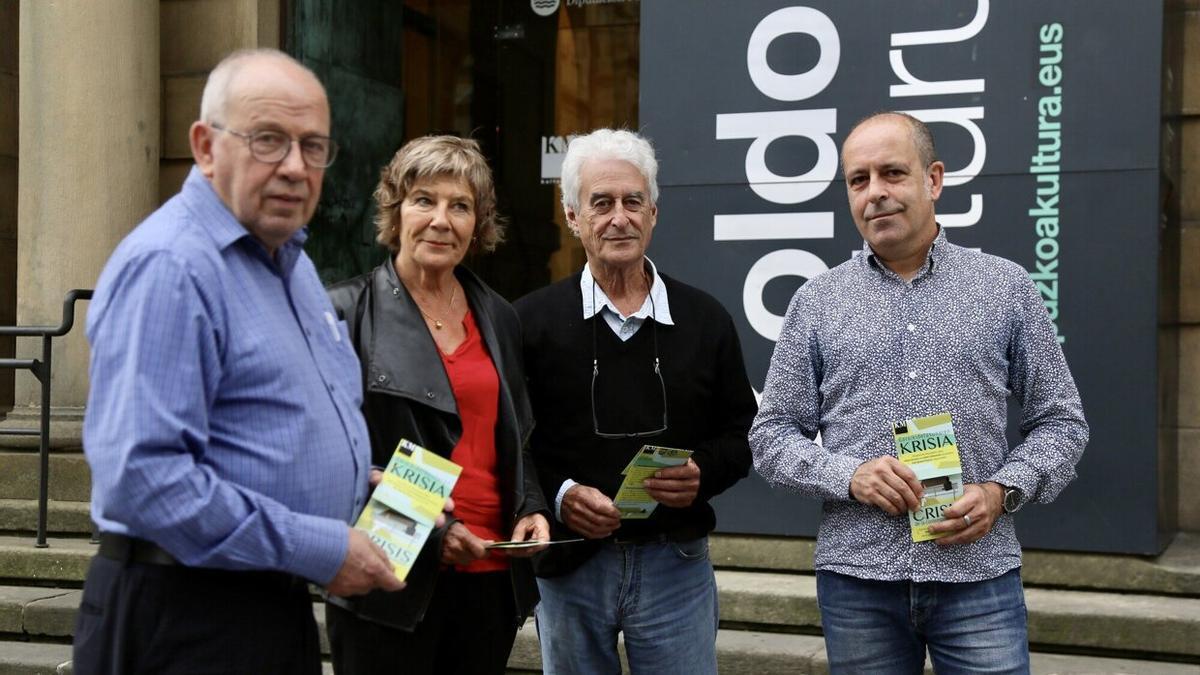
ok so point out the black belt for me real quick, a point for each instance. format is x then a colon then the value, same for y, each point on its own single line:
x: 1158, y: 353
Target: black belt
x: 641, y: 540
x: 125, y: 549
x: 130, y: 549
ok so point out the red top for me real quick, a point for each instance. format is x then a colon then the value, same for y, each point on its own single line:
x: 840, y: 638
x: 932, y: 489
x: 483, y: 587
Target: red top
x: 477, y: 493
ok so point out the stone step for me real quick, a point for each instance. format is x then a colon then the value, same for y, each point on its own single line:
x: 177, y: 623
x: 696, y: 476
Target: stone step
x: 765, y: 601
x: 1174, y: 572
x: 63, y: 563
x: 738, y: 653
x: 20, y: 515
x: 743, y: 652
x: 70, y: 477
x: 40, y: 658
x: 34, y: 658
x: 1063, y: 619
x: 66, y: 429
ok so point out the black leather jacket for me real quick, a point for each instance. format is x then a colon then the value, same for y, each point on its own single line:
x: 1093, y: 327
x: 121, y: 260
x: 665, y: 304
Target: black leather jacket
x: 407, y: 395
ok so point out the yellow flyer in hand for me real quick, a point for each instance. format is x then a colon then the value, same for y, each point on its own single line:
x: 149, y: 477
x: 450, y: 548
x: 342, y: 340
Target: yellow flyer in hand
x: 632, y: 500
x: 928, y: 446
x: 406, y: 503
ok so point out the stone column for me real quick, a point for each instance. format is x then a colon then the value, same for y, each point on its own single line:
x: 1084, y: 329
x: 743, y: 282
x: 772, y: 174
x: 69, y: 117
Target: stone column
x: 87, y: 163
x: 1188, y: 471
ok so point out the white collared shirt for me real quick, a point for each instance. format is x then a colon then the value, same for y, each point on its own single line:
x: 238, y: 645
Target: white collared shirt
x: 655, y: 305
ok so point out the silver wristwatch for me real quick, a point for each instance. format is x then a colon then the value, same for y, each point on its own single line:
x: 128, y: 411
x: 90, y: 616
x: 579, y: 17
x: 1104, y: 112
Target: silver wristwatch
x: 1012, y: 500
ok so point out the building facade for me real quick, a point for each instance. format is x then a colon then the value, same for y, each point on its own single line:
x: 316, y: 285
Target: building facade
x: 96, y: 99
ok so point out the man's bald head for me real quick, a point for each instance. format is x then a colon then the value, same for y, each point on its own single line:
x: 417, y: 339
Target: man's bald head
x: 224, y: 80
x: 922, y: 139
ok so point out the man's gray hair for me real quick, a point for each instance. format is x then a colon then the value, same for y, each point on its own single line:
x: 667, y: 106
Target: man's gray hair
x: 602, y: 144
x: 216, y: 91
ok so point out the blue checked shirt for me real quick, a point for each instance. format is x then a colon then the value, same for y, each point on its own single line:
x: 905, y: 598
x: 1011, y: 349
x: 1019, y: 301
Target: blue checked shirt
x: 223, y: 419
x: 861, y: 348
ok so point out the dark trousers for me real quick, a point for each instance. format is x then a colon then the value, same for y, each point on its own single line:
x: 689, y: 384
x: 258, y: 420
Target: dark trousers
x: 145, y: 618
x: 469, y: 628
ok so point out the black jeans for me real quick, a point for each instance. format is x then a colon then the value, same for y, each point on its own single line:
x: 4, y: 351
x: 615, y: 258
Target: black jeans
x: 468, y: 629
x: 145, y: 618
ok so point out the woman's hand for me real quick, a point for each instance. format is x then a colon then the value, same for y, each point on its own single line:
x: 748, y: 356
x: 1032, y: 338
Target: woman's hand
x: 532, y: 527
x: 460, y: 547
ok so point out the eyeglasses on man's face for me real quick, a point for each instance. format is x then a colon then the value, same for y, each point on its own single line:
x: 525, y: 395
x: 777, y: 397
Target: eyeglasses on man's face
x: 272, y: 147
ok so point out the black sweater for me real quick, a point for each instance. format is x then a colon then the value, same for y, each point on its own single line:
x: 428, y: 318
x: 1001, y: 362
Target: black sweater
x: 710, y: 404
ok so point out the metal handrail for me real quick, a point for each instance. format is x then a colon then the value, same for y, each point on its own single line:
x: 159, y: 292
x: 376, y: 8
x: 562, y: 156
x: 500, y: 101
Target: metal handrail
x: 41, y: 370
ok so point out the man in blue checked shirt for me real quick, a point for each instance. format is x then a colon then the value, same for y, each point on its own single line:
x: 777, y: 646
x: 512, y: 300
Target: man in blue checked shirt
x: 916, y: 326
x: 223, y: 427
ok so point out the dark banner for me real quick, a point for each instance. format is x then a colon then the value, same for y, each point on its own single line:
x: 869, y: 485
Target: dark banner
x: 1046, y: 115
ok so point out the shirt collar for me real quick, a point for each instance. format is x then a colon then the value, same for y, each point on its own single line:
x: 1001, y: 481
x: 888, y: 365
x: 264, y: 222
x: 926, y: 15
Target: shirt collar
x: 936, y: 257
x: 655, y: 305
x: 216, y: 219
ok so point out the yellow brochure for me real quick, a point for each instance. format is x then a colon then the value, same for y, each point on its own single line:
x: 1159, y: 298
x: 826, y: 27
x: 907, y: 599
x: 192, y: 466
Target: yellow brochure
x: 928, y: 446
x: 632, y: 500
x: 402, y: 510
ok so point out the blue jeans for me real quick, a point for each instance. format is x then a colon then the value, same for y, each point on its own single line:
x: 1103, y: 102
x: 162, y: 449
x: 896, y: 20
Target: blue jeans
x: 662, y: 596
x: 885, y: 626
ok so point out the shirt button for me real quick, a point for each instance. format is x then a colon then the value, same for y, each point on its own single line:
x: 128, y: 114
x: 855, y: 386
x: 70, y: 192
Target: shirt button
x: 395, y: 291
x: 911, y: 328
x: 381, y: 378
x: 430, y: 395
x: 912, y: 374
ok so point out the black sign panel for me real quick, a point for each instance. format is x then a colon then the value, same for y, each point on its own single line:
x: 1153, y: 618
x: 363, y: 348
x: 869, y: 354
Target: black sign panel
x: 1046, y: 115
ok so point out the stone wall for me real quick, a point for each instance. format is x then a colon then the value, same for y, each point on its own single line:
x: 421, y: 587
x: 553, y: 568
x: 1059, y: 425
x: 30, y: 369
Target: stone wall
x: 195, y: 35
x: 1185, y: 16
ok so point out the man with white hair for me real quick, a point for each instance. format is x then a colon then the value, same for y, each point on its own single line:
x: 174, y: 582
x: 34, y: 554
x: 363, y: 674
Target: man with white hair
x: 223, y: 427
x: 619, y: 356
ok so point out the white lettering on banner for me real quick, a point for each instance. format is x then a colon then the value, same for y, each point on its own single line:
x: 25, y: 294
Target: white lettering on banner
x: 758, y: 226
x: 962, y: 116
x: 818, y: 126
x: 931, y: 37
x: 967, y: 219
x: 766, y: 127
x: 789, y: 20
x: 782, y: 263
x: 916, y: 87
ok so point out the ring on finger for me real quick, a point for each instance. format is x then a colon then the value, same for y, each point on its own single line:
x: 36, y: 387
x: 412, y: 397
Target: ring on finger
x: 967, y: 519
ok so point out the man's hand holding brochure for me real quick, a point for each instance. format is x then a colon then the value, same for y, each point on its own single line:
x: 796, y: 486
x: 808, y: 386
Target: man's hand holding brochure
x: 928, y: 446
x: 633, y: 500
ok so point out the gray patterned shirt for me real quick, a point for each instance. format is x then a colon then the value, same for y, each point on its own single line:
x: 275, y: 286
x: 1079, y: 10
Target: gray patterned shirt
x: 861, y: 348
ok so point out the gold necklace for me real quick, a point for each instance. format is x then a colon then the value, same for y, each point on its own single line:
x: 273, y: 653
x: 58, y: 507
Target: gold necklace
x: 437, y: 323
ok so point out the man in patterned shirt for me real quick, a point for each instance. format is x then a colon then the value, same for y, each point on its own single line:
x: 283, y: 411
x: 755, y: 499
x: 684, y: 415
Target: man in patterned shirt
x: 915, y: 326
